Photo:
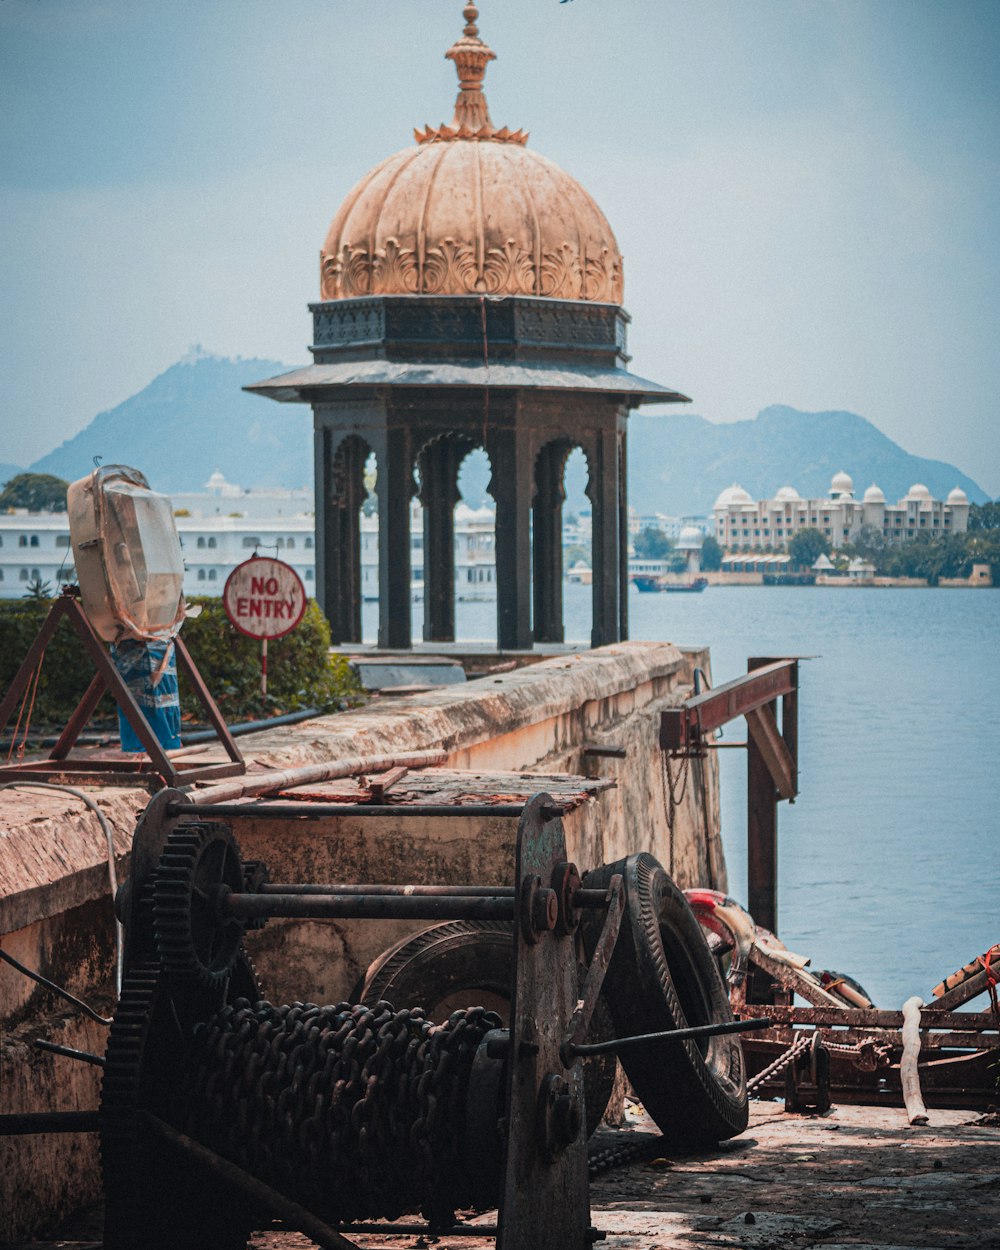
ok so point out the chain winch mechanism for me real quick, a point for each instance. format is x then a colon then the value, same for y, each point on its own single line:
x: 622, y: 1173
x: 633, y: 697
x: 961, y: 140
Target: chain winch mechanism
x: 222, y: 1112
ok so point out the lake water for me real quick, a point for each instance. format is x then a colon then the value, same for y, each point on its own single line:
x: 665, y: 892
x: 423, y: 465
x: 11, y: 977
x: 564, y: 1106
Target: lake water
x: 889, y: 863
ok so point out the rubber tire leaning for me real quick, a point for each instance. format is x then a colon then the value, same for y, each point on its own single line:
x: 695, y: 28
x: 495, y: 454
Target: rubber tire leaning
x: 663, y: 976
x: 464, y: 958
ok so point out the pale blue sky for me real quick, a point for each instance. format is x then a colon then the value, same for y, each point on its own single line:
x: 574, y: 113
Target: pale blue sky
x: 805, y: 191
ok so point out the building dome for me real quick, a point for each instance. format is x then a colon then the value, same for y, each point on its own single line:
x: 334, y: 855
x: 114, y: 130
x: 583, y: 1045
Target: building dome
x: 470, y: 210
x: 874, y: 494
x: 841, y: 484
x: 732, y: 495
x: 957, y: 496
x: 787, y: 494
x: 690, y: 538
x: 918, y: 491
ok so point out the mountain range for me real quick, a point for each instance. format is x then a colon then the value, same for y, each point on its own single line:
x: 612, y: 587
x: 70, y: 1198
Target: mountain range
x: 194, y: 418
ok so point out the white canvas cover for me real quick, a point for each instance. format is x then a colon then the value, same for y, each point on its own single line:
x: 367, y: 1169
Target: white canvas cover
x: 128, y: 555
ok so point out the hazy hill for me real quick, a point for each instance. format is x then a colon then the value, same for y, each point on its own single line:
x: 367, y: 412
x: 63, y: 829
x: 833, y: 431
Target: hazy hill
x: 678, y: 463
x: 194, y: 418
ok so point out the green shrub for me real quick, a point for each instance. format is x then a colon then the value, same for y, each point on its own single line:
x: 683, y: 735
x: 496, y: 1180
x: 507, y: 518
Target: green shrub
x: 301, y: 671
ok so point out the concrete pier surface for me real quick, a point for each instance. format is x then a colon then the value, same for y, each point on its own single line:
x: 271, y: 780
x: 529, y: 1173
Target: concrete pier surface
x: 857, y: 1178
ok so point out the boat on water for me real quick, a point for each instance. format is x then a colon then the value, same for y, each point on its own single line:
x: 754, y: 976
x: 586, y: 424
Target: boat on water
x: 657, y: 584
x: 687, y: 588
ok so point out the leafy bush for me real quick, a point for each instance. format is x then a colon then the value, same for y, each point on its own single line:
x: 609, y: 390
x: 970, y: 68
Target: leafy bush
x: 301, y: 671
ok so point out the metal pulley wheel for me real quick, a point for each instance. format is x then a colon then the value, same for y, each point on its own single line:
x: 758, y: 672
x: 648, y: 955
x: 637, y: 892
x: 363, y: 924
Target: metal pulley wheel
x: 663, y: 976
x: 465, y: 963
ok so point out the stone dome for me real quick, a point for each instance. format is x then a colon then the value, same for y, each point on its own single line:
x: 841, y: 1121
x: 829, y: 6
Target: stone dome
x: 787, y: 494
x: 470, y: 210
x: 732, y: 495
x: 874, y: 494
x: 918, y: 491
x: 690, y: 538
x: 841, y: 484
x: 957, y: 496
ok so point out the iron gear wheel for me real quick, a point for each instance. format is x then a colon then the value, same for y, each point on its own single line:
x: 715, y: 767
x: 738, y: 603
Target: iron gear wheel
x: 152, y: 1202
x: 200, y: 862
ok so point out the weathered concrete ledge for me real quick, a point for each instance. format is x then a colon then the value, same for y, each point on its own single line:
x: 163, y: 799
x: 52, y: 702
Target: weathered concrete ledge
x: 55, y: 905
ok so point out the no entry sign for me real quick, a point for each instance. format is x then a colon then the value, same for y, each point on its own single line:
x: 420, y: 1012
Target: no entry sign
x: 264, y: 598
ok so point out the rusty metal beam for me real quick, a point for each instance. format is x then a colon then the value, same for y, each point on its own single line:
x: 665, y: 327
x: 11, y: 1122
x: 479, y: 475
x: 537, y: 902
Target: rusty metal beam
x: 684, y: 727
x: 763, y: 729
x: 874, y: 1018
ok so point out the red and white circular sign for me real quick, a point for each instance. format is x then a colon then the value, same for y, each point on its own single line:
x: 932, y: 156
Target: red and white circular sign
x: 264, y: 598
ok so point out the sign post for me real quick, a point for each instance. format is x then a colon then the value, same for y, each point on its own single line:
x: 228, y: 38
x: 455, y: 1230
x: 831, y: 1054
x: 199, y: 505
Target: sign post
x: 265, y: 599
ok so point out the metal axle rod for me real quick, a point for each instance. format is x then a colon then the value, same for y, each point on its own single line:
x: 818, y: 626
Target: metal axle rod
x: 671, y: 1035
x: 367, y: 906
x: 84, y: 1056
x: 204, y: 1159
x: 269, y: 809
x: 391, y: 891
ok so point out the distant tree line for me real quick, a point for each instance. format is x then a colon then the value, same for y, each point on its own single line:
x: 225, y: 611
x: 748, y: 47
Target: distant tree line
x: 928, y: 555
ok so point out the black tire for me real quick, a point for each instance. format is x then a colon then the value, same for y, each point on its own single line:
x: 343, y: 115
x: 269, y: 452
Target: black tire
x: 663, y: 976
x: 467, y: 963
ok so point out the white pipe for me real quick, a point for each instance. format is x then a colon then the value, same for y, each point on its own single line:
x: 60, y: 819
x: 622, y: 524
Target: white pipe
x: 908, y: 1073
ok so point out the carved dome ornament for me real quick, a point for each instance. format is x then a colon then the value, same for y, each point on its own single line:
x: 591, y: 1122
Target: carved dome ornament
x: 470, y: 210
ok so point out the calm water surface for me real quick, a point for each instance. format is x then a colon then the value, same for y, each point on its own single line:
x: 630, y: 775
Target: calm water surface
x: 889, y: 858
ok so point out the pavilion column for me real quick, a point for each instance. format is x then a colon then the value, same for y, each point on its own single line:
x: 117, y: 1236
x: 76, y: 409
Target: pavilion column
x: 546, y: 544
x: 439, y: 465
x: 510, y: 457
x: 623, y: 581
x: 394, y: 488
x: 339, y: 494
x: 604, y: 490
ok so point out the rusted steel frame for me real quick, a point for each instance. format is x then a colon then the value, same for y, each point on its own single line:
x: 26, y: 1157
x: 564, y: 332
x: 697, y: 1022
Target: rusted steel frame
x: 79, y: 719
x: 684, y: 727
x: 23, y: 1123
x: 312, y: 774
x: 793, y: 979
x: 964, y: 992
x: 873, y: 1017
x: 771, y: 774
x: 30, y: 662
x: 256, y: 1191
x: 615, y: 1044
x: 579, y: 1023
x: 215, y: 717
x: 416, y: 891
x: 964, y: 1040
x: 277, y: 810
x: 764, y: 735
x: 421, y: 1230
x: 365, y: 907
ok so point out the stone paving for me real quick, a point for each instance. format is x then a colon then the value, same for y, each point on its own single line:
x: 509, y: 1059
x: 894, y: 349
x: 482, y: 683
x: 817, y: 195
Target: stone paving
x: 857, y: 1179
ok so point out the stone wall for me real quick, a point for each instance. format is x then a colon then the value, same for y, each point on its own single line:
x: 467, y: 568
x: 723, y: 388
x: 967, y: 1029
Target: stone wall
x: 55, y: 909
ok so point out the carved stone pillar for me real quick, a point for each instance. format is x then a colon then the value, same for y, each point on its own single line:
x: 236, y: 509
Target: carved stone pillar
x: 394, y: 489
x: 439, y: 465
x: 546, y: 543
x: 604, y: 491
x: 623, y: 581
x: 510, y: 457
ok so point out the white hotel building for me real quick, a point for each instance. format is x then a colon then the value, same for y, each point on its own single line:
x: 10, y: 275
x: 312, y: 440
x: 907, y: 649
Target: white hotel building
x: 224, y: 525
x: 742, y: 524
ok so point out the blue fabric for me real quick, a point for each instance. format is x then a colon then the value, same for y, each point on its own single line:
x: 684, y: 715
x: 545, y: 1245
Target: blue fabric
x: 138, y: 663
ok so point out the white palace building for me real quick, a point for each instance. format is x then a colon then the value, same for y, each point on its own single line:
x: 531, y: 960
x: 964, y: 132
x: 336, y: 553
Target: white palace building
x: 742, y: 524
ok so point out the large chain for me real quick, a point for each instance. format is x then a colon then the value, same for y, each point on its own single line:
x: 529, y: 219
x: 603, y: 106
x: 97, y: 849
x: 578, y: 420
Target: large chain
x: 356, y: 1112
x: 801, y: 1043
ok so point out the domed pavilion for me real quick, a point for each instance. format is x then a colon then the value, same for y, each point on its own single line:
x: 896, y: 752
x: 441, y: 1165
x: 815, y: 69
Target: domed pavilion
x: 471, y: 296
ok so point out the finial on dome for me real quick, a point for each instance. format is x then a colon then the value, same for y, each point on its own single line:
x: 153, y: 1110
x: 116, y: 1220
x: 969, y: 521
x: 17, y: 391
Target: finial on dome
x: 472, y: 115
